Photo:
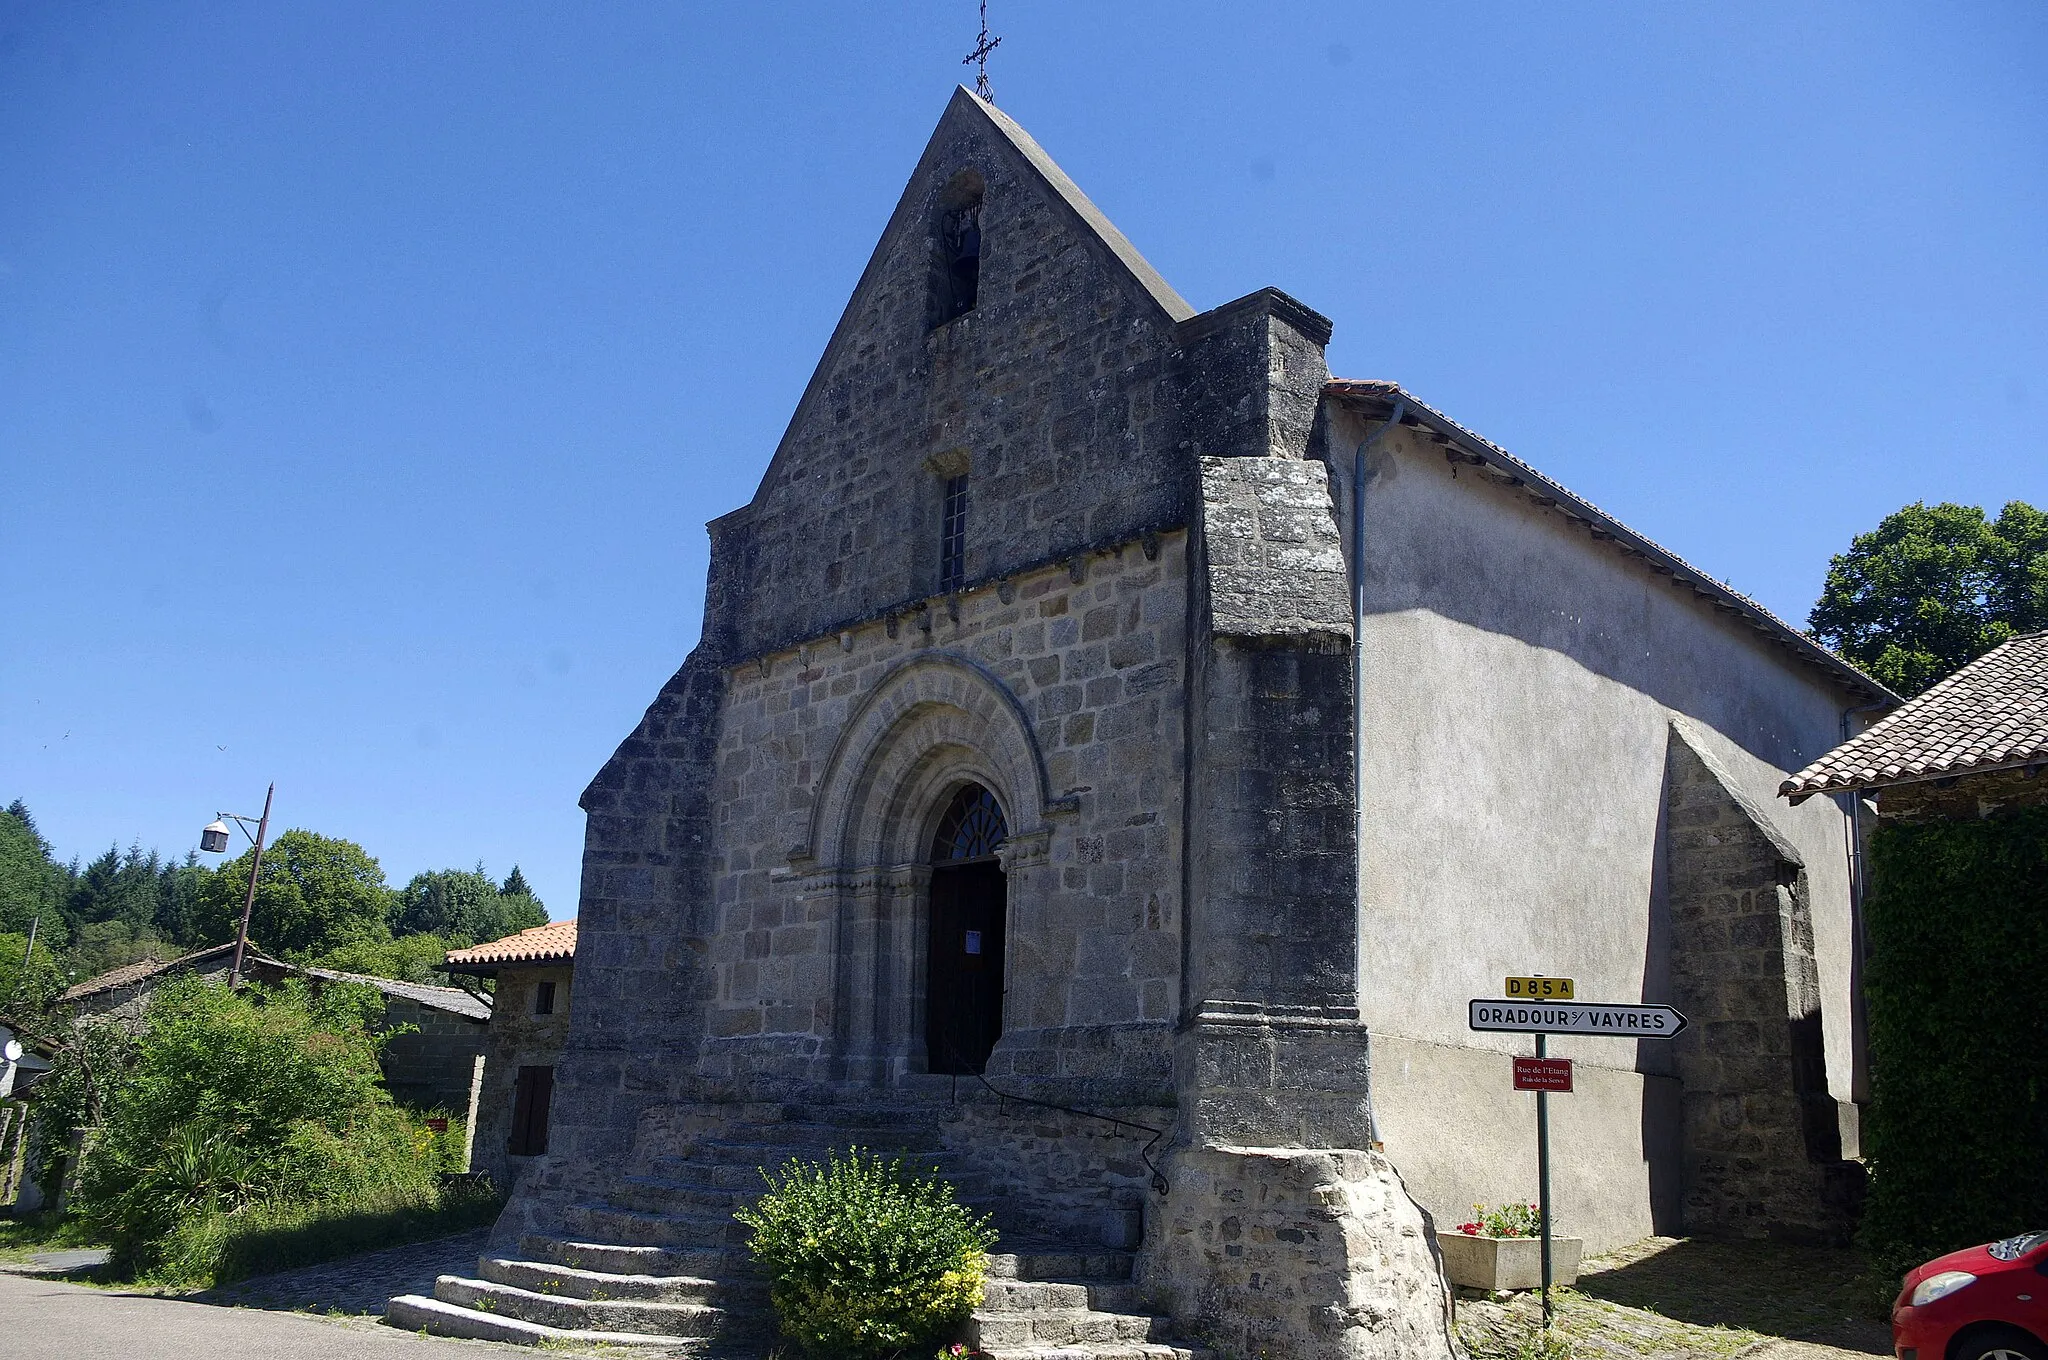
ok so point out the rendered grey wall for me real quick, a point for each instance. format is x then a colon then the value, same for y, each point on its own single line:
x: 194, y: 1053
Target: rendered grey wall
x: 1520, y: 677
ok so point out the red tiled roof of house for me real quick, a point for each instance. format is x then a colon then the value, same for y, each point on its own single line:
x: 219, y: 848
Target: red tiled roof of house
x: 1990, y: 715
x: 555, y: 941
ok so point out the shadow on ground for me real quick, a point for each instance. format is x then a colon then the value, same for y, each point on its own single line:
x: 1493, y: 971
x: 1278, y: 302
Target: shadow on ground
x: 1812, y: 1294
x: 355, y: 1284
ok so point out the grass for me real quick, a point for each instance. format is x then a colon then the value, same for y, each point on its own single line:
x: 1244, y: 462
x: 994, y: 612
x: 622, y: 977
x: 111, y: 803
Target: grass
x: 218, y: 1249
x: 1663, y: 1299
x: 21, y: 1238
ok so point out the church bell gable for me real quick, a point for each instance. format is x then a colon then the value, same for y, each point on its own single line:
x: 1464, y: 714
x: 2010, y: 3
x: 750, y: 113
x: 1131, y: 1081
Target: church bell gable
x: 992, y: 397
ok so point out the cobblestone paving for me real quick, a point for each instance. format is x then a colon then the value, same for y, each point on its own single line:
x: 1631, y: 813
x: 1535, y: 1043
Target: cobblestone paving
x: 360, y: 1284
x: 1663, y: 1299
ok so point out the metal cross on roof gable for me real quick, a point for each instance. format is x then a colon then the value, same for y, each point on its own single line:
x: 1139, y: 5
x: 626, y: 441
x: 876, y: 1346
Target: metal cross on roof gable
x: 979, y: 57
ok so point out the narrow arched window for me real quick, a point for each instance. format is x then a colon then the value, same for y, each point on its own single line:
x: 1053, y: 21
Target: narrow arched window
x: 956, y: 249
x: 953, y: 535
x: 972, y: 828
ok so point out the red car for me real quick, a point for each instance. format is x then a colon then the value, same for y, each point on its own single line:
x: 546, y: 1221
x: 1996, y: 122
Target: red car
x: 1986, y: 1303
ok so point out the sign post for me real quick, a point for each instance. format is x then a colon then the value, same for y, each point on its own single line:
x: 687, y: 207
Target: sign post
x: 1544, y: 1006
x: 1543, y: 1174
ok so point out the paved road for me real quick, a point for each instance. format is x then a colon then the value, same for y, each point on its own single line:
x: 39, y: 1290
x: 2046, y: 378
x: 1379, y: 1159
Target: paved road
x: 42, y: 1319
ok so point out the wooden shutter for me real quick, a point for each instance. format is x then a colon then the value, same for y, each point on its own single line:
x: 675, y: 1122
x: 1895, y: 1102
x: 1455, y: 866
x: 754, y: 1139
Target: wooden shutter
x: 532, y: 1093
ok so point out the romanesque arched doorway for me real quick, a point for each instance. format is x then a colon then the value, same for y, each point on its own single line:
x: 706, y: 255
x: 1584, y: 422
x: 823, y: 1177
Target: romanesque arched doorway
x: 964, y: 960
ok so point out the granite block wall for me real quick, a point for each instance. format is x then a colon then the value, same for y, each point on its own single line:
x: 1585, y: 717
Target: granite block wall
x: 1762, y: 1149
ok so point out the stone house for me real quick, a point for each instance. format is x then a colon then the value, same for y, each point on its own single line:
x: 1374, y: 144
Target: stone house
x: 123, y: 993
x: 1115, y: 754
x: 430, y: 1067
x: 529, y: 1026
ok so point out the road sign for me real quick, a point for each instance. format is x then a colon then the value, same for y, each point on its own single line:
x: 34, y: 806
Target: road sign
x: 1543, y: 1074
x: 1613, y: 1022
x: 1540, y: 989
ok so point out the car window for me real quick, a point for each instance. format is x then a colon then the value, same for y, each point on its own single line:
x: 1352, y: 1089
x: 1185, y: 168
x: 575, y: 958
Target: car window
x: 2012, y: 1248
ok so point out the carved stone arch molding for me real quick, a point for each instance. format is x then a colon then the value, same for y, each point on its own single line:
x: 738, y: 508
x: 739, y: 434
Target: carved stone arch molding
x: 933, y: 723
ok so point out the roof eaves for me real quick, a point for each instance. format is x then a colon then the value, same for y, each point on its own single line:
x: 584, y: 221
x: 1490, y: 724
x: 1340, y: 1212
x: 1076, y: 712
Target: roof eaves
x: 1874, y: 780
x: 1544, y: 491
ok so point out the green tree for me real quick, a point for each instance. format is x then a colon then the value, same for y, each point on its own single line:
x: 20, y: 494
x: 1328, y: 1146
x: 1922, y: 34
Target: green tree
x: 28, y: 985
x: 515, y: 885
x: 1933, y: 588
x: 316, y: 894
x: 462, y: 907
x: 409, y: 958
x: 180, y: 889
x: 32, y: 884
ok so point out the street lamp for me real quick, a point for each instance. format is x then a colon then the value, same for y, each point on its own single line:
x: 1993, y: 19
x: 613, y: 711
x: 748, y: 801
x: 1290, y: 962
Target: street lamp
x: 214, y: 840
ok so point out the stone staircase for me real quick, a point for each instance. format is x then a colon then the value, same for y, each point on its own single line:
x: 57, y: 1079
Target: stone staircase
x: 659, y: 1262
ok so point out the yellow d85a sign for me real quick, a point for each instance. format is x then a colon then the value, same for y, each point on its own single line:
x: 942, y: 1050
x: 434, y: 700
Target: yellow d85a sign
x: 1540, y: 989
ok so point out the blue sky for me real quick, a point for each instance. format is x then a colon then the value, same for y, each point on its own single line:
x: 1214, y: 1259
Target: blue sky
x: 367, y: 372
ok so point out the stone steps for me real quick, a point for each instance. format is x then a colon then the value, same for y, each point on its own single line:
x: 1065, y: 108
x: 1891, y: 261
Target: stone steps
x: 657, y: 1261
x: 640, y: 1317
x: 1062, y: 1327
x: 634, y: 1228
x: 548, y: 1277
x: 1094, y: 1350
x: 417, y: 1313
x: 1027, y: 1296
x: 621, y: 1259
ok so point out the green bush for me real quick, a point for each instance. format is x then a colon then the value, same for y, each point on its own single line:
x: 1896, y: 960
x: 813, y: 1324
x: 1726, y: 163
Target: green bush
x: 865, y: 1261
x: 231, y: 1101
x: 1957, y: 928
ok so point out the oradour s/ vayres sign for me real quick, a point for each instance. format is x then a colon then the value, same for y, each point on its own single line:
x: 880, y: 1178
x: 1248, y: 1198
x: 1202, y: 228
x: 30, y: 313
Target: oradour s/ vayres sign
x: 1615, y: 1022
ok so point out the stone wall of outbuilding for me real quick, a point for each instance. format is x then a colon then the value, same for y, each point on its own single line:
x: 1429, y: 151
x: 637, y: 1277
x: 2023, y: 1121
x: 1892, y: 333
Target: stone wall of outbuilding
x: 517, y: 1038
x: 430, y: 1066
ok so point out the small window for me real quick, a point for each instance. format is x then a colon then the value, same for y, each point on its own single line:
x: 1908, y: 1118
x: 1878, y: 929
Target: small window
x: 953, y: 535
x: 956, y: 249
x: 532, y: 1093
x: 544, y: 998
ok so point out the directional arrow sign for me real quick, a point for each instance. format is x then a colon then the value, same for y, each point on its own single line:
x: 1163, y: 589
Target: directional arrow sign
x: 1572, y: 1017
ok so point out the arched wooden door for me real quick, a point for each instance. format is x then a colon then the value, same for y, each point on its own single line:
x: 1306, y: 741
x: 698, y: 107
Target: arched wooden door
x: 964, y: 972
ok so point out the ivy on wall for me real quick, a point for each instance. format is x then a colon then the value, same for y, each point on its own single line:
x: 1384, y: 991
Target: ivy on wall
x: 1957, y: 985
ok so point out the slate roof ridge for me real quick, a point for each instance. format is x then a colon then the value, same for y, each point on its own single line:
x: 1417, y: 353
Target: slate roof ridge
x: 143, y: 969
x: 1992, y: 714
x: 451, y: 999
x: 1658, y: 557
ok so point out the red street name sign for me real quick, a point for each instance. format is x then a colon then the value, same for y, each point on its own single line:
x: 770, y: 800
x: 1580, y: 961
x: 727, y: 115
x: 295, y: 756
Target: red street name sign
x: 1543, y: 1074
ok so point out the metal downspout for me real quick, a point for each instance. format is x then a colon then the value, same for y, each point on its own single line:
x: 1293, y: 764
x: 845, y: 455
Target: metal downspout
x: 1365, y: 447
x: 1859, y: 1019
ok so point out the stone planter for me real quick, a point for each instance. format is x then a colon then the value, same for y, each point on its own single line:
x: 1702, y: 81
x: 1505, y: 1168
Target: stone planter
x: 1507, y: 1262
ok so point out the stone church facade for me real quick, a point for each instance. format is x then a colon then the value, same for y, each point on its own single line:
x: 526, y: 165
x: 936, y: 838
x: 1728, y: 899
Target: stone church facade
x: 1033, y: 801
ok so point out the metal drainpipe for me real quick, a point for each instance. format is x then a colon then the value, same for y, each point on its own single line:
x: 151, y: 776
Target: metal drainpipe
x: 1365, y: 446
x: 1859, y: 1024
